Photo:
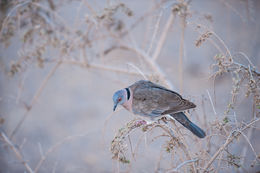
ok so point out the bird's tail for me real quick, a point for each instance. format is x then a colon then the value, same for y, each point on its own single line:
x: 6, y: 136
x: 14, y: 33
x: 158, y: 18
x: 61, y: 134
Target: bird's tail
x: 183, y: 119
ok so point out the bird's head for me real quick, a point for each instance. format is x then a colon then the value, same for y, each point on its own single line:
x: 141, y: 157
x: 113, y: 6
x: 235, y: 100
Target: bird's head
x: 119, y: 98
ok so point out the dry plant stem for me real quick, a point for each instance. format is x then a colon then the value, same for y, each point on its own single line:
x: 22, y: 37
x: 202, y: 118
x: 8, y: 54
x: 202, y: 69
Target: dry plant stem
x: 16, y: 151
x: 53, y: 148
x: 212, y: 104
x: 245, y: 149
x: 182, y: 164
x: 219, y: 39
x: 90, y: 8
x: 251, y: 146
x: 138, y: 70
x: 148, y: 60
x: 10, y: 13
x: 223, y: 43
x: 35, y: 98
x: 155, y: 32
x: 105, y: 124
x: 140, y: 19
x: 219, y: 162
x: 233, y: 9
x: 75, y: 22
x: 180, y: 144
x: 231, y: 137
x: 163, y: 37
x: 253, y: 71
x: 247, y: 58
x: 153, y: 65
x: 131, y: 146
x: 183, y: 141
x: 210, y: 39
x: 54, y: 167
x: 157, y: 168
x: 21, y: 87
x: 180, y: 66
x: 102, y: 67
x: 214, y: 44
x: 54, y: 13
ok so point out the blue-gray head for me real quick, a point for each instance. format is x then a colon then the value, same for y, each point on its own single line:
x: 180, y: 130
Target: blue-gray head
x: 119, y: 98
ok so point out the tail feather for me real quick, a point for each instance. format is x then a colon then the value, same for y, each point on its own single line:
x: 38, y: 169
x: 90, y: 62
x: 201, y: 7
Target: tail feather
x: 183, y: 119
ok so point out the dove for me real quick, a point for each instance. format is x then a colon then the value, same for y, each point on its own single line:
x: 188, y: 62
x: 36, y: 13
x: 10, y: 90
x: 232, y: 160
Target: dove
x: 151, y: 100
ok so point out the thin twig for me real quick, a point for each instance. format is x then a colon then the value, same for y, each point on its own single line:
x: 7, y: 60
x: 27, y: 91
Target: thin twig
x: 139, y: 20
x: 156, y: 28
x: 245, y: 148
x: 251, y: 146
x: 163, y: 37
x: 102, y: 67
x: 182, y: 164
x: 153, y: 65
x: 230, y: 138
x: 10, y: 13
x: 219, y: 39
x: 35, y: 98
x: 138, y: 70
x: 181, y: 51
x: 53, y: 148
x: 16, y: 151
x: 212, y: 104
x: 247, y: 58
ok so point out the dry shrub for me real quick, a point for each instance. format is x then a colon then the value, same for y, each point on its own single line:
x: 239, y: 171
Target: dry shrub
x: 43, y: 30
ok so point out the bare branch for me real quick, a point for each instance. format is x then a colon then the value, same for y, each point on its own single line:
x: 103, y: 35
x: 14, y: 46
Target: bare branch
x: 16, y: 151
x: 230, y: 138
x: 182, y: 164
x: 55, y: 147
x: 35, y: 98
x: 163, y: 37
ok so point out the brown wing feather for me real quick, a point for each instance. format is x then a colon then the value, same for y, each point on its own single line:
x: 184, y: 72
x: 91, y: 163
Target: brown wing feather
x: 185, y: 105
x: 150, y: 99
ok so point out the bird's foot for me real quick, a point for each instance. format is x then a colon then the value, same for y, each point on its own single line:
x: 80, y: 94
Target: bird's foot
x: 163, y: 119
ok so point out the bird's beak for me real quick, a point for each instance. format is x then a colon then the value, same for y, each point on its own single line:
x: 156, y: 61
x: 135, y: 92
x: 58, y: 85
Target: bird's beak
x: 115, y: 107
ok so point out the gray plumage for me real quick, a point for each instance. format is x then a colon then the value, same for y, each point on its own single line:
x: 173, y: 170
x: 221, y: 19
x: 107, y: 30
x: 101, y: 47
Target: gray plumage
x: 152, y: 100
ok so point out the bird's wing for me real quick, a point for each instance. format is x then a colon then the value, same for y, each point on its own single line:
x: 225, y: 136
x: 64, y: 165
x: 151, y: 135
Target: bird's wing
x: 150, y: 99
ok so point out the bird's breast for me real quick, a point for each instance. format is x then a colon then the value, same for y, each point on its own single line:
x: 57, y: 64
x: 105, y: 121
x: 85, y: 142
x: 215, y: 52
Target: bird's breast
x: 128, y: 105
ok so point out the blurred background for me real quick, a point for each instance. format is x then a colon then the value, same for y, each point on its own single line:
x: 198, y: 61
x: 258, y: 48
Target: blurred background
x: 61, y: 61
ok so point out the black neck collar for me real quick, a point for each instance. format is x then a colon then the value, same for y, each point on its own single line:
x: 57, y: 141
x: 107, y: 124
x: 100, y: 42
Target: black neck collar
x: 128, y: 93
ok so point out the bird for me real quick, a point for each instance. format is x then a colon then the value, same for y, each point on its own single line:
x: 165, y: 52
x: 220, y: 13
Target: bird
x: 151, y: 100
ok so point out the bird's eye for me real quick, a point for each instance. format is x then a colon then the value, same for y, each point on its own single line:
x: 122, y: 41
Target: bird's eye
x: 119, y: 99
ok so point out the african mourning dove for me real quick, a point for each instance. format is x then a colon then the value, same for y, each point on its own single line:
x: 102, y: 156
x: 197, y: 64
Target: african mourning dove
x: 154, y: 101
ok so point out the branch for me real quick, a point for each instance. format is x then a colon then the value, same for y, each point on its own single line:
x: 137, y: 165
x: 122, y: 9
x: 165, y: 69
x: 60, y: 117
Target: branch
x: 230, y: 138
x: 16, y: 151
x: 153, y: 65
x: 53, y: 148
x: 163, y: 37
x: 100, y: 66
x: 182, y: 164
x: 35, y: 98
x: 155, y: 32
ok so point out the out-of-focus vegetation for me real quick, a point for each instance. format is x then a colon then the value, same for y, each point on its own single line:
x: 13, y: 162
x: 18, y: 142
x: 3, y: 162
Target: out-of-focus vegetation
x: 62, y: 60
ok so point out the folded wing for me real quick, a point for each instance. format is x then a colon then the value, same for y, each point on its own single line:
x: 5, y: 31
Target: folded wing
x: 154, y: 100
